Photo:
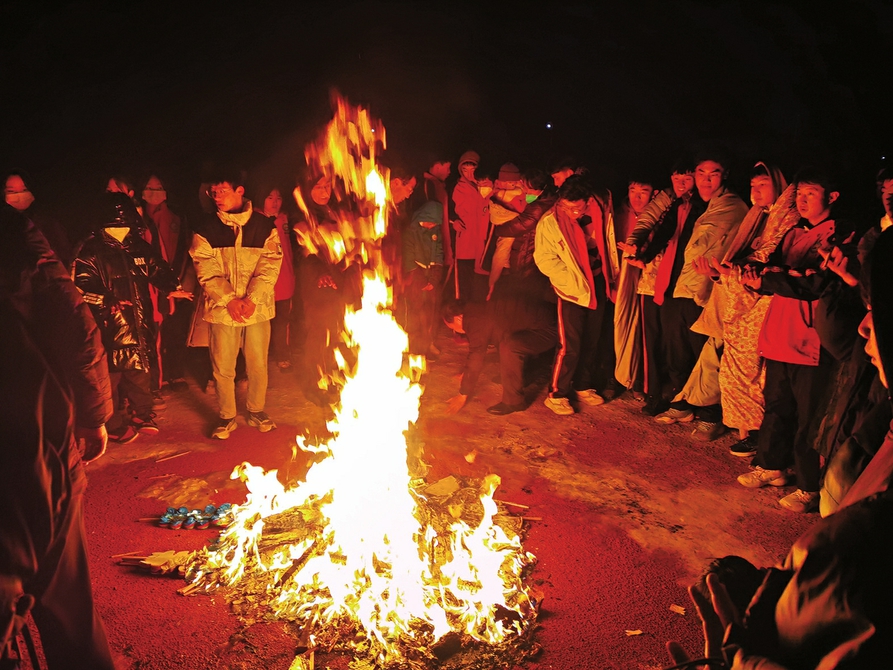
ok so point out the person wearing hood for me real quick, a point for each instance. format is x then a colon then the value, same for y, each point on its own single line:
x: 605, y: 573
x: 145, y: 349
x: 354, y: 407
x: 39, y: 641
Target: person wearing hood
x: 423, y: 262
x: 237, y: 255
x: 729, y: 370
x: 113, y: 269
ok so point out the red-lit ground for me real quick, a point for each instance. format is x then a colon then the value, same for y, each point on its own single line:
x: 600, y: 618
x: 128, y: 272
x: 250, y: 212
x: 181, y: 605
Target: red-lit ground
x: 630, y: 512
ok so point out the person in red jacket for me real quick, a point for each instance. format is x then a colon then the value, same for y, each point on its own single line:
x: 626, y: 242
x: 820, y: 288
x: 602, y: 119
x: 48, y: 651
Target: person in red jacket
x: 798, y: 367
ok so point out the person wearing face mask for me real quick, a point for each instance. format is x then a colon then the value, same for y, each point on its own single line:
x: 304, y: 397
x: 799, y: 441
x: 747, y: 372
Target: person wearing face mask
x: 113, y: 269
x: 18, y: 195
x: 171, y: 241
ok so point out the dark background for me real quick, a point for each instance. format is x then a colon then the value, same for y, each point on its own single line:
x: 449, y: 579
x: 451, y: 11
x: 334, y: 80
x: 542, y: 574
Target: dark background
x: 95, y: 89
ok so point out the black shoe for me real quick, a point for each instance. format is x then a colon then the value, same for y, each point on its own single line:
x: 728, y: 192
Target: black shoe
x: 124, y: 435
x: 654, y: 405
x: 502, y: 409
x: 744, y: 448
x: 145, y: 424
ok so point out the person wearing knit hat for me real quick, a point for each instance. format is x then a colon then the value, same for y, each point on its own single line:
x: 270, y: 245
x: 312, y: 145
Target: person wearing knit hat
x: 470, y: 221
x: 509, y: 172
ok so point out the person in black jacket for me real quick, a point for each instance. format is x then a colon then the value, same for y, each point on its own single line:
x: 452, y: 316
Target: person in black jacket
x: 56, y: 396
x: 112, y: 269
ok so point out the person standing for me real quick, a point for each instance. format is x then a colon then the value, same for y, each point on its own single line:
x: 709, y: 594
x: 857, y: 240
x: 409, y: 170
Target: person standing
x: 470, y: 223
x: 280, y: 328
x: 56, y: 395
x: 237, y: 257
x: 113, y: 269
x: 570, y: 251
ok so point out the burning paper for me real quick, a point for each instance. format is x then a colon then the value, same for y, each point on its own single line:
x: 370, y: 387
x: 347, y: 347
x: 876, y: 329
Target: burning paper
x: 353, y: 546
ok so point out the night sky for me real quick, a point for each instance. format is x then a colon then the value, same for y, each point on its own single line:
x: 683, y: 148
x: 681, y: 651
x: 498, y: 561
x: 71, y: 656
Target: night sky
x: 99, y: 88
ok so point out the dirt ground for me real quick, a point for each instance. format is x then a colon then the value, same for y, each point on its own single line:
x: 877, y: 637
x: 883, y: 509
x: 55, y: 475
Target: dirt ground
x: 626, y: 514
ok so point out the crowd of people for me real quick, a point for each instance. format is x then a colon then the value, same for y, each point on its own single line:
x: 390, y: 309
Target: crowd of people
x: 704, y: 308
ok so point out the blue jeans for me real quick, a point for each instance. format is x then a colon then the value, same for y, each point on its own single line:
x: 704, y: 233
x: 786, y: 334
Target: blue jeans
x: 225, y: 342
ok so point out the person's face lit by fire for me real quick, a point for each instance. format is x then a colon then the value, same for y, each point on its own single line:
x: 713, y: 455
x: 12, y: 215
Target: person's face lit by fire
x: 273, y: 203
x: 227, y: 198
x: 572, y: 208
x: 866, y: 330
x: 321, y: 192
x: 561, y: 176
x: 813, y: 204
x: 762, y: 191
x: 401, y: 189
x: 456, y: 324
x: 467, y: 170
x: 709, y: 176
x: 682, y: 183
x: 440, y: 170
x: 639, y: 196
x: 17, y: 193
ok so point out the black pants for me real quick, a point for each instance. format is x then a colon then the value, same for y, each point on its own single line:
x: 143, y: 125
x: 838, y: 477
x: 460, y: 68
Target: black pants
x: 514, y: 351
x: 71, y: 631
x: 681, y: 346
x: 469, y: 286
x: 280, y: 331
x: 652, y: 347
x: 793, y: 394
x: 174, y: 331
x: 579, y: 331
x: 135, y: 386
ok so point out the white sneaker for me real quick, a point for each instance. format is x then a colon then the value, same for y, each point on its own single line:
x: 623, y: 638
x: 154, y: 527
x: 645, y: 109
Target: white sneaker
x: 801, y: 501
x: 560, y: 406
x: 590, y: 397
x: 758, y: 477
x: 675, y: 416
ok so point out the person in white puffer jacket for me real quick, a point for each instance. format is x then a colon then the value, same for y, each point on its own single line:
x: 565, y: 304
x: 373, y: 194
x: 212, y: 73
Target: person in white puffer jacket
x: 237, y: 255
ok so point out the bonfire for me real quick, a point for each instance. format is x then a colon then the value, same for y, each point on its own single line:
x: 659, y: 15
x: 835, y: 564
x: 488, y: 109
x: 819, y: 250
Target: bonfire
x: 363, y: 554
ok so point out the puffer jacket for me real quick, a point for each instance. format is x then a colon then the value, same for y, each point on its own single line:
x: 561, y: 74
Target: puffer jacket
x: 237, y: 256
x: 114, y: 279
x: 712, y: 233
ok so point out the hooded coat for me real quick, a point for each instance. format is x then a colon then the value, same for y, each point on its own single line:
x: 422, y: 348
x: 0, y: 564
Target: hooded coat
x: 113, y: 277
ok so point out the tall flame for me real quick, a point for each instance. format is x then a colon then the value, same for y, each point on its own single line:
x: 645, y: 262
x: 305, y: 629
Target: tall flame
x: 376, y: 563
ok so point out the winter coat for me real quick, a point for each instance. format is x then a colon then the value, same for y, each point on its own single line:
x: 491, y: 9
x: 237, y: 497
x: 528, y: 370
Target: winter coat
x: 423, y: 246
x: 51, y: 357
x: 709, y: 238
x: 237, y: 255
x: 560, y: 254
x: 114, y: 279
x: 472, y: 220
x: 788, y: 333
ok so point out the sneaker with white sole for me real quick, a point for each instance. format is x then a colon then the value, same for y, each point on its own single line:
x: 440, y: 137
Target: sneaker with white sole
x: 123, y: 435
x: 223, y: 428
x: 673, y: 415
x: 801, y: 501
x: 560, y: 406
x: 744, y: 448
x: 758, y: 477
x: 145, y: 424
x: 261, y: 421
x: 590, y: 397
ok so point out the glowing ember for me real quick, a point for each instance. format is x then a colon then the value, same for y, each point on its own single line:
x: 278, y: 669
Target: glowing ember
x: 365, y: 550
